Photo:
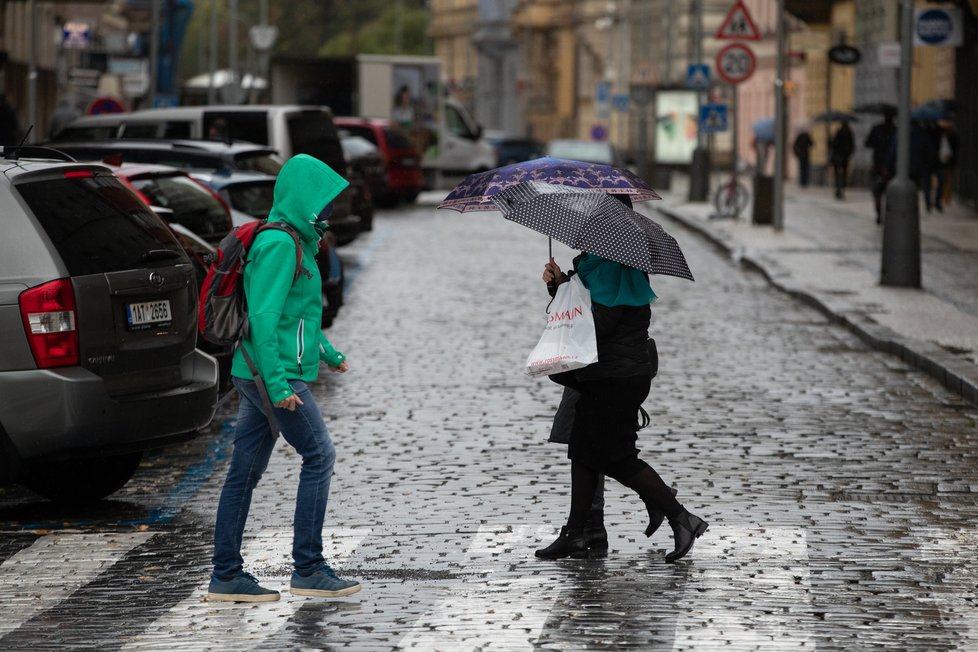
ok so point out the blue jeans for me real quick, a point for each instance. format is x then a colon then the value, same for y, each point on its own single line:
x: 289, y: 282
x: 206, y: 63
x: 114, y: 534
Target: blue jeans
x: 306, y: 432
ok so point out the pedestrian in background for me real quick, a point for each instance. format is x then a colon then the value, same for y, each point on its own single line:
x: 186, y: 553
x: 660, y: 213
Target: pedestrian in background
x: 802, y: 148
x: 948, y: 155
x: 880, y: 140
x: 929, y: 177
x: 287, y: 345
x: 611, y: 391
x: 841, y: 148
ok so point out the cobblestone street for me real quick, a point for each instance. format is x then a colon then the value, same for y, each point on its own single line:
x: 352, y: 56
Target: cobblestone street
x: 838, y: 482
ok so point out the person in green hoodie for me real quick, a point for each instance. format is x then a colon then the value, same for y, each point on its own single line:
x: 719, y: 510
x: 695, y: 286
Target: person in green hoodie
x: 286, y: 343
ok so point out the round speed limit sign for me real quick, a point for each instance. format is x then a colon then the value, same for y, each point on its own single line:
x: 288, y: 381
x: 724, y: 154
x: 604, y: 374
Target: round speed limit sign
x: 735, y: 63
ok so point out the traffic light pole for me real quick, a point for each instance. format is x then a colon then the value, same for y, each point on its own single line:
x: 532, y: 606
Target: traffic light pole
x: 777, y: 210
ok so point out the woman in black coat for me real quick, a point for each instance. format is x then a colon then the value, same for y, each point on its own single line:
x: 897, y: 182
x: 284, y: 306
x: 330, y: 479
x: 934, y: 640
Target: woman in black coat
x: 603, y: 436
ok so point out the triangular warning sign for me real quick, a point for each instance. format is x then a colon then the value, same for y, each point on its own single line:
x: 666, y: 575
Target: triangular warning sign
x: 738, y: 25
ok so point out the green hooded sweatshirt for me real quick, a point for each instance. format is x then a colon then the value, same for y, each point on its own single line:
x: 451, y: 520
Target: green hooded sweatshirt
x: 286, y: 340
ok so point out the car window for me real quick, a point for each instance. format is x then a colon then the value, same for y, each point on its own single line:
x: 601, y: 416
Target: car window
x: 356, y: 147
x: 258, y: 162
x: 313, y: 133
x: 177, y: 129
x: 252, y: 198
x: 139, y: 131
x: 80, y: 134
x: 193, y: 206
x: 97, y: 224
x: 456, y: 123
x: 251, y: 126
x: 397, y: 140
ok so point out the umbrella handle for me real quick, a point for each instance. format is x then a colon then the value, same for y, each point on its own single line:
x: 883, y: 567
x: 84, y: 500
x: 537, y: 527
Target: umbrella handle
x: 550, y: 247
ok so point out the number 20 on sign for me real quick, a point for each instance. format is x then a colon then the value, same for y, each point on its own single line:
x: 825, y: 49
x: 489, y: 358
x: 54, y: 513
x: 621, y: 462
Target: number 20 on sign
x: 735, y: 63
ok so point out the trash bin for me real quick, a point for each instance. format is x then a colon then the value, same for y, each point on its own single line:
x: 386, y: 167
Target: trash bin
x: 763, y: 200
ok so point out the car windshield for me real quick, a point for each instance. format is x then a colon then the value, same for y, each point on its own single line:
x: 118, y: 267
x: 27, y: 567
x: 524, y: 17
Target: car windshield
x: 580, y: 150
x: 97, y: 224
x: 356, y: 146
x: 193, y: 206
x: 252, y: 198
x: 258, y: 162
x: 397, y: 140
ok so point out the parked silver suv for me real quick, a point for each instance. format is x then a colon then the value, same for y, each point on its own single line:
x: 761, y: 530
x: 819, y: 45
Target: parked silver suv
x: 98, y: 320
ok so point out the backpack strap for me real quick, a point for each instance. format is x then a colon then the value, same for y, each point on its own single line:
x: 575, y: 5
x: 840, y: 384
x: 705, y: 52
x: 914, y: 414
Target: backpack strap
x: 282, y: 226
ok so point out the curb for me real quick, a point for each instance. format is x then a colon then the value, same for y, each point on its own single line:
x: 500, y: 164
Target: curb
x: 957, y: 375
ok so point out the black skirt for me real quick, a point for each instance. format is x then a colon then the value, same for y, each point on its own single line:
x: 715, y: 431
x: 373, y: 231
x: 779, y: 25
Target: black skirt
x: 604, y: 435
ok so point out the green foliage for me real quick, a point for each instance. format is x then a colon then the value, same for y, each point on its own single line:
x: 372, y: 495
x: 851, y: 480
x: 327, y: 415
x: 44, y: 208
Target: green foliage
x: 383, y: 34
x: 309, y: 28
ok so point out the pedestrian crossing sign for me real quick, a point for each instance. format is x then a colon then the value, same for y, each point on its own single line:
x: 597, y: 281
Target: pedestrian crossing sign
x: 698, y: 76
x: 713, y: 118
x: 738, y: 25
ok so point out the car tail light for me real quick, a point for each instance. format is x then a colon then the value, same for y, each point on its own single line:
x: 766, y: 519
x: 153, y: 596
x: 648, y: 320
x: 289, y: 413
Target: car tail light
x: 49, y: 318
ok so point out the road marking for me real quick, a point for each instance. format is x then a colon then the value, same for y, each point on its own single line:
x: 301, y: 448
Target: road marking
x: 48, y: 571
x: 509, y: 613
x: 194, y: 623
x: 770, y: 564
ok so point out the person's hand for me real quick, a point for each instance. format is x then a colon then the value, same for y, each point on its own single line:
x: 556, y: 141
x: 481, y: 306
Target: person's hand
x: 342, y: 369
x: 290, y: 403
x: 552, y: 273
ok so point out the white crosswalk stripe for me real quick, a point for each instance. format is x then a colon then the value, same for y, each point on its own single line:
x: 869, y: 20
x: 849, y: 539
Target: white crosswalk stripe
x: 768, y: 563
x: 195, y: 623
x: 48, y: 571
x: 499, y: 614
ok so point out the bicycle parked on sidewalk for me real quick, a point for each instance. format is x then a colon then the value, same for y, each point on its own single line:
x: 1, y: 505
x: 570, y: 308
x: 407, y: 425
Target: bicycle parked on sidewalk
x: 730, y: 199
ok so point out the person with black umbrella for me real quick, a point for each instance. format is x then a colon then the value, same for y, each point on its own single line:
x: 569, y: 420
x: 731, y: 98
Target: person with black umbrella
x: 611, y: 391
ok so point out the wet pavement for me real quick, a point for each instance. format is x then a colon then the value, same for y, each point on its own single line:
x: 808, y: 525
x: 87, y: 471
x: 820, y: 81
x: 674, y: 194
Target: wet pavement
x: 839, y: 484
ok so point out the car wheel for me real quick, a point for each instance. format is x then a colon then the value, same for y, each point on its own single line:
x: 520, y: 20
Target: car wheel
x: 78, y: 481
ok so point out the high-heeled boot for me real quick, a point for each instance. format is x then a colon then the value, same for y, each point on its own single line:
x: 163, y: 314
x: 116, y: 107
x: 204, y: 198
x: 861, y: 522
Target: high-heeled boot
x: 686, y: 528
x: 656, y: 516
x: 570, y: 543
x: 595, y: 535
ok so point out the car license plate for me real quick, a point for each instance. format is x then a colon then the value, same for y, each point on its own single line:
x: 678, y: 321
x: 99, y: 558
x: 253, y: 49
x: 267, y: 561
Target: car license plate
x: 148, y: 313
x: 409, y: 162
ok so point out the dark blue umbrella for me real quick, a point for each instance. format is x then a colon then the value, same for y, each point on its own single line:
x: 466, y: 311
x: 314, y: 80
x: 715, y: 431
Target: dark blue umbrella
x: 835, y: 116
x: 474, y: 193
x: 764, y: 129
x: 935, y: 110
x: 596, y: 223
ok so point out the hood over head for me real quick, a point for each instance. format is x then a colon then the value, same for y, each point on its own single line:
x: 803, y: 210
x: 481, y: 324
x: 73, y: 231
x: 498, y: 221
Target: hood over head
x: 303, y: 188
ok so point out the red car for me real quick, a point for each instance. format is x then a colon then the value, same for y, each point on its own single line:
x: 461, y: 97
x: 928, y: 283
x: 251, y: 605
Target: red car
x: 403, y: 178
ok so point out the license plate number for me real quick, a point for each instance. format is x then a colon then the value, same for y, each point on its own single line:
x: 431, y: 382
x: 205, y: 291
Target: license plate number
x: 148, y: 313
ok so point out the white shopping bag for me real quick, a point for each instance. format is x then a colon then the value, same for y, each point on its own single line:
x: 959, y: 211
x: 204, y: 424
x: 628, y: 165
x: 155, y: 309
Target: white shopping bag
x: 568, y: 341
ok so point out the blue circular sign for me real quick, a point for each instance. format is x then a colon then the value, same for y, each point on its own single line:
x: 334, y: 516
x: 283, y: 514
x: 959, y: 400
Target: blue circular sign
x: 934, y: 26
x: 599, y: 132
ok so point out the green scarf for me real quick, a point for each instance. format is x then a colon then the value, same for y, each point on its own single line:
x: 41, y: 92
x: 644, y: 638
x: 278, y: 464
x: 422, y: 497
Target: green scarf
x: 613, y: 284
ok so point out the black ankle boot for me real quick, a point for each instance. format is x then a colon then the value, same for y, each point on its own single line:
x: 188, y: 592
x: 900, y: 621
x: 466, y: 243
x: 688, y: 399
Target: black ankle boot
x: 595, y: 535
x: 656, y: 516
x: 570, y: 543
x: 686, y: 528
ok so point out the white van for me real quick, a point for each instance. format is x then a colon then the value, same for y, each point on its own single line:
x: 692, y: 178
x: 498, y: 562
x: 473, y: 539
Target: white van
x: 289, y: 129
x: 461, y: 149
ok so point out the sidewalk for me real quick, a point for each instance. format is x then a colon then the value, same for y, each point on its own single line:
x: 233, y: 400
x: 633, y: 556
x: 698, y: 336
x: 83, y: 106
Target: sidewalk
x: 829, y: 254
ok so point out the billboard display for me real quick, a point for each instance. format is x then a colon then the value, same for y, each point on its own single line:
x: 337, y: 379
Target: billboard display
x: 677, y: 114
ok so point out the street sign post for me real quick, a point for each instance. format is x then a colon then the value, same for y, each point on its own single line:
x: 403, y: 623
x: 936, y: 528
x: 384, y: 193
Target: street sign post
x: 735, y: 63
x: 713, y: 118
x: 738, y: 25
x: 698, y: 77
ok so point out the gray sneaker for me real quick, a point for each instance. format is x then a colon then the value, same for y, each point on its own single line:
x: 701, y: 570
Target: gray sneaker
x: 243, y: 588
x: 322, y: 584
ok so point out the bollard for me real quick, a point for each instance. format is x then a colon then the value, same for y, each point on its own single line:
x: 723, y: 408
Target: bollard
x: 901, y: 235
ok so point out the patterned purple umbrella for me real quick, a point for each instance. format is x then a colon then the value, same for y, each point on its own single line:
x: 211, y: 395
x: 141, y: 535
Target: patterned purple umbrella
x: 474, y: 193
x: 598, y: 224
